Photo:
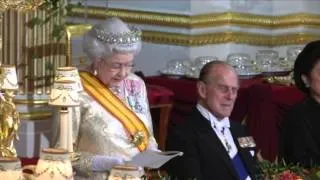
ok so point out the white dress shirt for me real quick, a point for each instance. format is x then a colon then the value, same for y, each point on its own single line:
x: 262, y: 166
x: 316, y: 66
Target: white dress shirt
x: 218, y: 127
x: 222, y: 130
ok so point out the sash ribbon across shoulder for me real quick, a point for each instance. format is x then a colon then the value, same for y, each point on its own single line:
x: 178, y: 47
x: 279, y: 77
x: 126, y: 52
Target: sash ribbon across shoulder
x: 115, y: 106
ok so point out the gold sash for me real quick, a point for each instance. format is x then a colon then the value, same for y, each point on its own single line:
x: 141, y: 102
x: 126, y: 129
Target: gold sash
x: 115, y: 106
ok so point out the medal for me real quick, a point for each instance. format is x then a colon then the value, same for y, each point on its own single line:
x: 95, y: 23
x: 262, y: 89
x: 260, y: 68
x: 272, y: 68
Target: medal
x: 246, y: 142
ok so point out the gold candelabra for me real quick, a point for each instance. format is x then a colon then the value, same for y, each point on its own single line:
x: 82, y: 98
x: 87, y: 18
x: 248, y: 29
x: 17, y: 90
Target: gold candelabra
x: 9, y: 117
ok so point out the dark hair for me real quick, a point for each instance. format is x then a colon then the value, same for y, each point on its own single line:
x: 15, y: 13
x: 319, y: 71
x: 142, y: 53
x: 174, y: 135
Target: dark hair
x: 205, y: 70
x: 305, y: 62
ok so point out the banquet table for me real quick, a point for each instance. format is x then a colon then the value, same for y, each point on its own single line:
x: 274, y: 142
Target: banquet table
x: 261, y: 106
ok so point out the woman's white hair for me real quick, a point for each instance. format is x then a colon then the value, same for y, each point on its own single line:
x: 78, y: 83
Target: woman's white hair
x: 111, y: 36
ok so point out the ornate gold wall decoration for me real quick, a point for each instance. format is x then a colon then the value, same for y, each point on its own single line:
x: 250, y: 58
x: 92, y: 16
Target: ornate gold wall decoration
x: 21, y: 5
x: 203, y: 20
x: 256, y: 21
x: 133, y: 16
x: 206, y: 39
x: 227, y: 37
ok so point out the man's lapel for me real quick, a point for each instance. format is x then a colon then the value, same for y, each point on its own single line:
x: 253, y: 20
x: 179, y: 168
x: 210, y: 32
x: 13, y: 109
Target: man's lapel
x: 210, y: 139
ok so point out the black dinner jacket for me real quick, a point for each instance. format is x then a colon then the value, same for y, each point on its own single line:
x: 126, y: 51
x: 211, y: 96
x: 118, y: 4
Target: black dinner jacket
x: 205, y: 157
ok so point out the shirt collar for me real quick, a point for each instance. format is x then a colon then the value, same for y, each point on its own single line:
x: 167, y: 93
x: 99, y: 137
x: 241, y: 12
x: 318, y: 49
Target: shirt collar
x: 220, y: 124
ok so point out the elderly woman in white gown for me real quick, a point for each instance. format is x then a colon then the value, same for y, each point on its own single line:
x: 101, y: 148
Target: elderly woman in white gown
x: 113, y: 122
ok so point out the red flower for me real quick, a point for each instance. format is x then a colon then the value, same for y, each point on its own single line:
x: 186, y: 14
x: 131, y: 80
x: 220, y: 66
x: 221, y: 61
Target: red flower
x: 288, y: 175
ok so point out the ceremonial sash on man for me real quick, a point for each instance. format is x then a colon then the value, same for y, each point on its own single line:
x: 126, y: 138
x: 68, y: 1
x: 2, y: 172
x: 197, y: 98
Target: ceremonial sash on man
x: 115, y: 106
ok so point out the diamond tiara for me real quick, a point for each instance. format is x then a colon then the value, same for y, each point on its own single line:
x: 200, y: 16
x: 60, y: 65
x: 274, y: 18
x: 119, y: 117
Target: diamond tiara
x: 119, y: 38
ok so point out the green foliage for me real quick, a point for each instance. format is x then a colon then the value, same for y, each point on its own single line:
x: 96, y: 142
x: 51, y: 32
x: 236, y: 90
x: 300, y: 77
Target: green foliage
x: 315, y: 176
x: 34, y: 22
x: 58, y: 31
x: 272, y: 169
x: 281, y: 170
x: 54, y: 8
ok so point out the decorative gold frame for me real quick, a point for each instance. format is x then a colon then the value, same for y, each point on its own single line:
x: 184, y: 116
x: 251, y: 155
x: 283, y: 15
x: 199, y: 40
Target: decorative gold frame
x: 202, y: 20
x: 74, y: 30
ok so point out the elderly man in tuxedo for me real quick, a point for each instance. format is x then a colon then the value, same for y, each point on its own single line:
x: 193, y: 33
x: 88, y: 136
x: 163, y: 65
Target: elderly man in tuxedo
x: 214, y: 147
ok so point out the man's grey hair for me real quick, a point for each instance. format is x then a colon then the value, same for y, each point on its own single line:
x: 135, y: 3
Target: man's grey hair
x: 206, y: 69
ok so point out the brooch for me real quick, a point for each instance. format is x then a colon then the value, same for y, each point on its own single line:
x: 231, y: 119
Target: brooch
x: 138, y: 138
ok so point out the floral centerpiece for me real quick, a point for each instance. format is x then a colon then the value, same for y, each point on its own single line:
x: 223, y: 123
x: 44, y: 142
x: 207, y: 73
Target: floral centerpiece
x: 284, y: 171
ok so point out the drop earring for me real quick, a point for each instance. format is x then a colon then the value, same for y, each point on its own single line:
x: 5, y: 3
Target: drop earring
x: 305, y: 81
x: 307, y: 85
x: 95, y: 72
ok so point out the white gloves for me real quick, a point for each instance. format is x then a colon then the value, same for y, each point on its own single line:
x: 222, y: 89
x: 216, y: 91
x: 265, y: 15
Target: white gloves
x: 102, y: 163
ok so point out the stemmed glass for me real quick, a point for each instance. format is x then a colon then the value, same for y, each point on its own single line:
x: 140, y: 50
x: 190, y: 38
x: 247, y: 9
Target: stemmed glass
x: 267, y: 60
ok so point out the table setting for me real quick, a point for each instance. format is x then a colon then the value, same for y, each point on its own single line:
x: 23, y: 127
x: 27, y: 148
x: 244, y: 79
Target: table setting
x: 266, y: 64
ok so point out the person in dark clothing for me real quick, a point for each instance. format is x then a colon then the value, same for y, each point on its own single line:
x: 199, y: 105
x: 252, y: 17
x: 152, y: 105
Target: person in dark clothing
x: 214, y: 147
x: 300, y: 138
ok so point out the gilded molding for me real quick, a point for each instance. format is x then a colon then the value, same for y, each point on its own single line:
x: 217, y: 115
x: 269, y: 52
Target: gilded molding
x: 257, y: 21
x: 74, y: 30
x: 133, y: 16
x: 31, y: 102
x: 78, y: 29
x: 206, y: 39
x: 227, y: 37
x: 203, y: 20
x: 35, y: 116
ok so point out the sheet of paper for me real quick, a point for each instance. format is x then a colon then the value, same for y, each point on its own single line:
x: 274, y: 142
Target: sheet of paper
x: 153, y: 159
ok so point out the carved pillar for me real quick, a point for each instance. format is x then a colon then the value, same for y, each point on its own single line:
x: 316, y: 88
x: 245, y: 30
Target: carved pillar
x: 36, y: 54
